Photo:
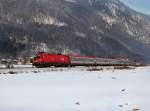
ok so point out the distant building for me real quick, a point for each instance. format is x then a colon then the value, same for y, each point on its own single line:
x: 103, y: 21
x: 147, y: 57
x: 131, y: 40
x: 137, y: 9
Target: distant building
x: 6, y: 63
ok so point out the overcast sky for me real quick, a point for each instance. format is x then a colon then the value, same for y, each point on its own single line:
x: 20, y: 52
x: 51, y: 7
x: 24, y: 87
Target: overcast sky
x: 139, y: 5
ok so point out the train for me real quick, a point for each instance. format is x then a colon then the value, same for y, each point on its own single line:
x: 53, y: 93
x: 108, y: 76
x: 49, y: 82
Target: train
x: 44, y: 59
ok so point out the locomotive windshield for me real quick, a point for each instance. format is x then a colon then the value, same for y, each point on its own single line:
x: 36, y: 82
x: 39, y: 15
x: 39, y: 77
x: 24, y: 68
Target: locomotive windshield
x: 38, y: 57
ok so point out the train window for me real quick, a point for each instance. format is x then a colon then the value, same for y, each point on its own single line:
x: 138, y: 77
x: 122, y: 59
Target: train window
x: 38, y: 57
x: 83, y: 59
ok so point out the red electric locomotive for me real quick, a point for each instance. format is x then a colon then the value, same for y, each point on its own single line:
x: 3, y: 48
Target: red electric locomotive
x: 46, y: 60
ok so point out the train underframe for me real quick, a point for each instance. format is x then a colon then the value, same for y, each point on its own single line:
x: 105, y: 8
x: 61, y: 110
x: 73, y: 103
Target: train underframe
x: 41, y: 65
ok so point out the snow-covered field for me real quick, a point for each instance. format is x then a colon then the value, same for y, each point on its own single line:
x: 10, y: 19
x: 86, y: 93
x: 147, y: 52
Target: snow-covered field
x: 75, y: 89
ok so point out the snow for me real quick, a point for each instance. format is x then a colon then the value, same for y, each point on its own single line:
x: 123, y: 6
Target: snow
x: 90, y: 2
x: 23, y: 66
x: 76, y: 89
x: 72, y: 1
x: 80, y: 34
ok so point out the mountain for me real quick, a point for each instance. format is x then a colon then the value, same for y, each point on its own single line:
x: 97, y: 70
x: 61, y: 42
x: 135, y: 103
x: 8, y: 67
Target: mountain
x: 104, y: 28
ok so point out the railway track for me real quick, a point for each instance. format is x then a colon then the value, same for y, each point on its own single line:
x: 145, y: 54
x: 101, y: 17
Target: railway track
x: 34, y: 70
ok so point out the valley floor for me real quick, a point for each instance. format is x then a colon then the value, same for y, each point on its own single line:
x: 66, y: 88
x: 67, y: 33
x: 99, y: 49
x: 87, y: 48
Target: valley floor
x: 75, y: 89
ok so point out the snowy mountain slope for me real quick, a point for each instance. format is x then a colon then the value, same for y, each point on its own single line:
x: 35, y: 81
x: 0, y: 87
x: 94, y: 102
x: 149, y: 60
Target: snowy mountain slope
x: 91, y: 27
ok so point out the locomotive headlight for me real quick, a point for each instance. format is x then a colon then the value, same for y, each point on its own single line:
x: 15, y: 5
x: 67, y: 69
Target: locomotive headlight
x: 62, y: 59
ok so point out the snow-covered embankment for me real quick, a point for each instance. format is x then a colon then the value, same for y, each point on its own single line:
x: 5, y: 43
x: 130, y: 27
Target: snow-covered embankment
x: 76, y: 90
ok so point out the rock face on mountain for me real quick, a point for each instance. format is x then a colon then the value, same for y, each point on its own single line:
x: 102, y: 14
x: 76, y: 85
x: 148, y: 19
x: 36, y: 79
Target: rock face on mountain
x: 104, y: 28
